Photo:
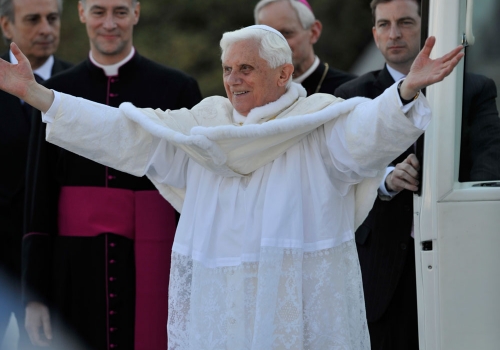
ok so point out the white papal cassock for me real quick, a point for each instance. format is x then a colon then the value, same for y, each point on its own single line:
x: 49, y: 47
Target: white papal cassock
x: 264, y: 255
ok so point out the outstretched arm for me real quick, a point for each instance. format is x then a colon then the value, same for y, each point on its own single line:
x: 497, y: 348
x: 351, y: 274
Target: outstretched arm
x: 18, y: 80
x: 426, y: 71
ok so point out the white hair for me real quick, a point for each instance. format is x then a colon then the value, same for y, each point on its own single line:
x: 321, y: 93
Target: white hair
x: 273, y: 47
x: 306, y: 16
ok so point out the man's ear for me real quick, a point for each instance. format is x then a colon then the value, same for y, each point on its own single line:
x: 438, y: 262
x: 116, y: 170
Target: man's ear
x: 81, y: 12
x: 316, y: 29
x: 5, y: 25
x: 137, y: 12
x: 374, y: 32
x: 286, y: 72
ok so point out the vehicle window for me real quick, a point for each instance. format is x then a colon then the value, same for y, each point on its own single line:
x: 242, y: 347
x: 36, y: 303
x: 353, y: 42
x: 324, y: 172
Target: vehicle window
x: 480, y: 132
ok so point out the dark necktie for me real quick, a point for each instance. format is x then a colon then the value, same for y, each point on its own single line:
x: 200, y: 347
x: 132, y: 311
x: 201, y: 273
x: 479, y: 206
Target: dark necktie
x: 27, y: 109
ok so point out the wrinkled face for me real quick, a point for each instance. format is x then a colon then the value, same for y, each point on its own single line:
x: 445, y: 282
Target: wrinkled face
x: 110, y: 25
x: 397, y: 32
x: 248, y: 79
x: 35, y: 29
x: 282, y: 17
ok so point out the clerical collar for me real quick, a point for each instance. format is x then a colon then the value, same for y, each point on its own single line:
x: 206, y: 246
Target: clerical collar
x: 112, y: 69
x: 397, y: 76
x: 308, y: 72
x: 44, y: 71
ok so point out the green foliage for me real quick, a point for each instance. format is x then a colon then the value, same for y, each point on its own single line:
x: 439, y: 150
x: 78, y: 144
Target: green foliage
x: 185, y: 34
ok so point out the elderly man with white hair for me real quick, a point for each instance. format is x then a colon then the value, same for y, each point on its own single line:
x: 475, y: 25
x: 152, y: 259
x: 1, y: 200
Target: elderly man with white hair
x: 271, y: 185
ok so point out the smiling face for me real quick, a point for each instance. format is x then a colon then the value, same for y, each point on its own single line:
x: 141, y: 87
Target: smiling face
x: 110, y: 25
x: 35, y: 29
x: 397, y: 33
x: 248, y: 79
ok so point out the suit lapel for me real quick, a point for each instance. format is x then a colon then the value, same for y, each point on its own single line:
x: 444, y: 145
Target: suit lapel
x: 384, y: 80
x: 57, y: 67
x: 6, y: 56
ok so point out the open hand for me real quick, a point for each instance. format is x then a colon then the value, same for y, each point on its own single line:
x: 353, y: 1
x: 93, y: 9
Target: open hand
x: 426, y: 71
x: 16, y: 78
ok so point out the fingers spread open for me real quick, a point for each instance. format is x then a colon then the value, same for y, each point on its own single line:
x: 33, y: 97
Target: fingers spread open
x: 453, y: 54
x: 429, y: 44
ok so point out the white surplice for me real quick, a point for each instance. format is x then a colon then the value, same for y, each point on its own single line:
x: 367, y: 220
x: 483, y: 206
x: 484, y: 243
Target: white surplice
x: 264, y: 255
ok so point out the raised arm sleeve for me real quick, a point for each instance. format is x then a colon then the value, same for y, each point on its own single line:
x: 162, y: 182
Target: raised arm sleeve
x: 100, y: 133
x: 364, y: 141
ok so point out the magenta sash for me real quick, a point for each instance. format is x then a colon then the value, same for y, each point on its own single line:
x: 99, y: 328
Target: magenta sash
x: 147, y: 218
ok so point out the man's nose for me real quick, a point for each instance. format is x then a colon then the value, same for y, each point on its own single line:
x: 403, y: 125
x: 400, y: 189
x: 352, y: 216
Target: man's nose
x: 395, y: 32
x: 44, y: 26
x: 234, y: 78
x: 109, y: 22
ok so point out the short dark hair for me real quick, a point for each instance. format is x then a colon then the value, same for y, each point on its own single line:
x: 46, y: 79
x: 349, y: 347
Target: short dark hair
x: 375, y: 3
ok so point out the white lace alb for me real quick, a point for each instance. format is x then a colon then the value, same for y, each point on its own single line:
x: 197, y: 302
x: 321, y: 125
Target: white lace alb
x: 287, y: 300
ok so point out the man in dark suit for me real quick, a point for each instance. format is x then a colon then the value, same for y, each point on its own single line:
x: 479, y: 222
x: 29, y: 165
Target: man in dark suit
x: 34, y: 27
x: 98, y: 243
x: 384, y: 241
x: 296, y: 21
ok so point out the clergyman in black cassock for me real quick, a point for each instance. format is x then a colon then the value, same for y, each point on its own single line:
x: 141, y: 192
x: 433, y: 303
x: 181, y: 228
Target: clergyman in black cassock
x: 96, y: 233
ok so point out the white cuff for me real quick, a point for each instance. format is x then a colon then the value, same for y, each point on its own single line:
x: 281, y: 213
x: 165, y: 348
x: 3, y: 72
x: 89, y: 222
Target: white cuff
x: 382, y: 190
x: 49, y: 116
x: 420, y: 105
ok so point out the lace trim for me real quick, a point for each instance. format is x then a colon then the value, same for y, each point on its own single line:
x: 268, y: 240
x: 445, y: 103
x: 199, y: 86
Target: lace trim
x: 288, y: 300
